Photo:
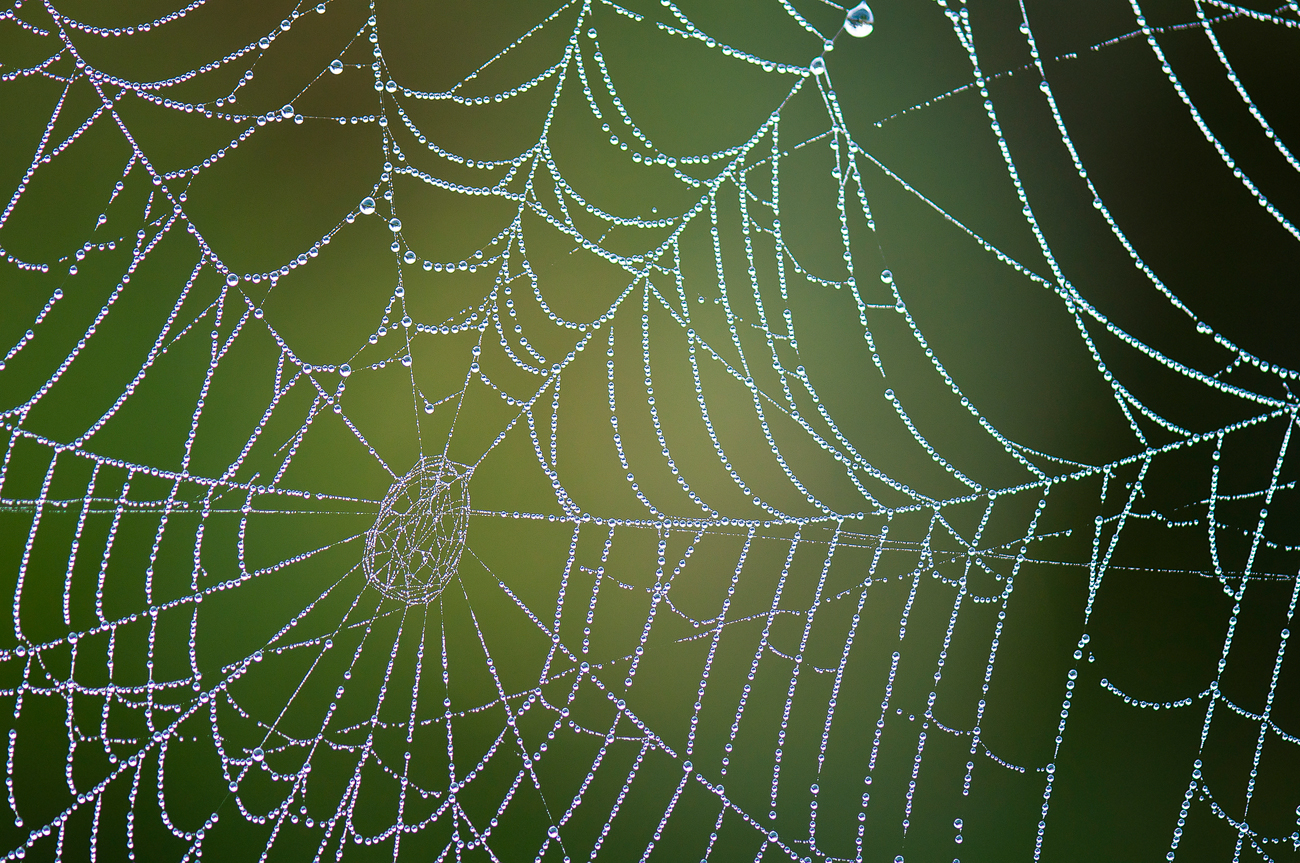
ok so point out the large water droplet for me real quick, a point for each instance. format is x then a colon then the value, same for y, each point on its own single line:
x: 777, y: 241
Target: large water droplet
x: 817, y: 66
x: 367, y: 206
x: 336, y: 66
x: 258, y: 754
x: 287, y: 111
x: 232, y: 280
x: 860, y: 22
x: 394, y: 225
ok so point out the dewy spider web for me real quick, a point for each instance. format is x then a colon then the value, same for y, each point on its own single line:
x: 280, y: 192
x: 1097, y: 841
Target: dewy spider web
x: 732, y: 587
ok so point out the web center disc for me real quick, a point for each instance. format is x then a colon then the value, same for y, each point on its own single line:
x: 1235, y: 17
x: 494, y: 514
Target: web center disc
x: 414, y: 546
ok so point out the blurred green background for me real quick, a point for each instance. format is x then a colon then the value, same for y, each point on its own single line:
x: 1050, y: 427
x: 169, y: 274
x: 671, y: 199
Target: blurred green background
x: 197, y: 666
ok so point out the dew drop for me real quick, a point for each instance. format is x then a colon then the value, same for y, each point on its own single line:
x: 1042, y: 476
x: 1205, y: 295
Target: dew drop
x: 367, y: 206
x: 860, y: 22
x: 817, y: 66
x: 394, y: 225
x: 258, y: 754
x: 336, y: 67
x: 232, y: 280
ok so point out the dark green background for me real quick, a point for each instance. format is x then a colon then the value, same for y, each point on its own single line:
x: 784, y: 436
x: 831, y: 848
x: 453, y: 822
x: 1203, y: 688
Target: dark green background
x: 1009, y: 343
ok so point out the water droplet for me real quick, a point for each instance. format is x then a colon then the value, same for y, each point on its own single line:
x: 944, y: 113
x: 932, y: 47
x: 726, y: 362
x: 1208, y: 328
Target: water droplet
x: 232, y: 280
x: 344, y: 370
x: 553, y: 831
x: 394, y: 225
x: 336, y: 67
x: 287, y: 111
x: 859, y: 22
x: 258, y: 754
x: 817, y: 66
x: 367, y: 206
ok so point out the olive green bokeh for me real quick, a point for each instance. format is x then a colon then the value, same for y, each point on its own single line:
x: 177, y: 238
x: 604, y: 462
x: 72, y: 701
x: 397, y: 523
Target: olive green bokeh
x: 1010, y: 344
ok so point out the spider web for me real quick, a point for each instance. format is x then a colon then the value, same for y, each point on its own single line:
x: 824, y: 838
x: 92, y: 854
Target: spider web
x: 748, y: 571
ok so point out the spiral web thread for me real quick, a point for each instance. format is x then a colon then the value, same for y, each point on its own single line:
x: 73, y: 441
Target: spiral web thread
x: 828, y: 565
